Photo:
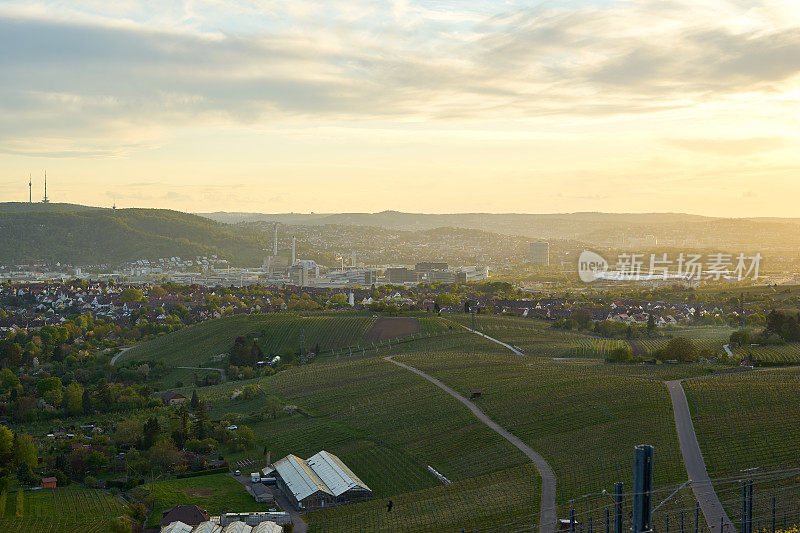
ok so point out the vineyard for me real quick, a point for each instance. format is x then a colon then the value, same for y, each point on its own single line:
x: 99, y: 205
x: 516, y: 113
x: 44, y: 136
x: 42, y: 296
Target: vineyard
x: 584, y: 423
x: 388, y: 425
x: 74, y: 508
x: 768, y: 355
x: 198, y: 345
x: 748, y: 424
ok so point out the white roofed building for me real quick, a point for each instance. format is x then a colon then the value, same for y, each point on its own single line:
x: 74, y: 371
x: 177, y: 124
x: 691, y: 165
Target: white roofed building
x: 321, y: 481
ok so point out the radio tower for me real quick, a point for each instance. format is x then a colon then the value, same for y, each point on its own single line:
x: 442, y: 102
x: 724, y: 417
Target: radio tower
x: 45, y: 200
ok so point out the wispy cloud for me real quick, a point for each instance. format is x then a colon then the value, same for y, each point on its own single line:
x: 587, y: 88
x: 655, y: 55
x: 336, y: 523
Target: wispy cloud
x: 104, y: 79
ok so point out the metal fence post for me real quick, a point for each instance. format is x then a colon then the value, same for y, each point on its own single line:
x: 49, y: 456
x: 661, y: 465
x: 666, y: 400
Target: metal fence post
x: 773, y: 514
x: 642, y: 487
x: 618, y: 507
x: 696, y: 517
x: 572, y: 521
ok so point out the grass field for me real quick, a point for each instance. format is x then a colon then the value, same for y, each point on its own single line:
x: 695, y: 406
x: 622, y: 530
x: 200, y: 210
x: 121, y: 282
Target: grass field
x: 197, y: 345
x: 218, y: 493
x: 71, y: 508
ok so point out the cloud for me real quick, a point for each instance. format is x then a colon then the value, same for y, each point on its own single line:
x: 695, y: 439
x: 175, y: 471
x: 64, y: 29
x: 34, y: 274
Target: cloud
x: 730, y: 147
x: 107, y: 84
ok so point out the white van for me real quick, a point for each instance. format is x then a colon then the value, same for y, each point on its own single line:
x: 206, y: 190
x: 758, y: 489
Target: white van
x: 255, y: 477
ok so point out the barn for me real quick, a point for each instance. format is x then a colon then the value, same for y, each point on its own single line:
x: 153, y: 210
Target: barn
x: 321, y: 481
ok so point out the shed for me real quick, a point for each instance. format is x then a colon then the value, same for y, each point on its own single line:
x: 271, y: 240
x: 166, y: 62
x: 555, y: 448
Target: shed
x: 49, y: 483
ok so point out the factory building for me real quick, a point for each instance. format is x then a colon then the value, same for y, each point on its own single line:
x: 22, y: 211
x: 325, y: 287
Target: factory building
x: 540, y: 253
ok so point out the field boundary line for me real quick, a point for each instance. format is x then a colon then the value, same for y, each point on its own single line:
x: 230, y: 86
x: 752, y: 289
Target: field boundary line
x: 487, y: 337
x: 547, y: 511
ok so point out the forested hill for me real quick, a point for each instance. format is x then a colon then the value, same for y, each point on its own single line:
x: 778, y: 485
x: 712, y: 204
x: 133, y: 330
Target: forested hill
x: 81, y: 235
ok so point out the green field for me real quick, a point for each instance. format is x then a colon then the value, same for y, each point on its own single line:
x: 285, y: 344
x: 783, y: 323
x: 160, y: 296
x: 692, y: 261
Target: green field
x: 748, y: 426
x: 71, y: 508
x: 584, y: 423
x: 778, y: 354
x: 198, y: 345
x: 217, y: 493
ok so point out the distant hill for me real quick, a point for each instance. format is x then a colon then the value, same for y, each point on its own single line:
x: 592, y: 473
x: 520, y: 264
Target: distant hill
x: 612, y: 229
x: 82, y: 235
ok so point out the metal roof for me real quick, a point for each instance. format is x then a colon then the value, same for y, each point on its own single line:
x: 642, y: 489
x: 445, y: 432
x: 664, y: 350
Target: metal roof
x: 177, y: 527
x: 237, y: 527
x: 334, y: 473
x: 299, y: 477
x: 267, y: 527
x: 207, y: 527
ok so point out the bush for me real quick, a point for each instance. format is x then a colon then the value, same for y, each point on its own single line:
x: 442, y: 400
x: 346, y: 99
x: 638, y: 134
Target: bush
x: 622, y: 354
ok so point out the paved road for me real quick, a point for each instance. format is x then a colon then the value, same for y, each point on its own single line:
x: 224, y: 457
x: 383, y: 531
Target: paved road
x: 547, y: 512
x: 220, y: 370
x: 122, y: 351
x: 501, y: 343
x: 693, y: 460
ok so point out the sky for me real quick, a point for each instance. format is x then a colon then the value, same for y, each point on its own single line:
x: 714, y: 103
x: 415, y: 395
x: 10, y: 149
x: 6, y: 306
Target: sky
x: 422, y: 106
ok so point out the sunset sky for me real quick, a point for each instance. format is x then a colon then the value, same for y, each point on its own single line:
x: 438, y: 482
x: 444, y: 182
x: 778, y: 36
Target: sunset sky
x: 425, y: 106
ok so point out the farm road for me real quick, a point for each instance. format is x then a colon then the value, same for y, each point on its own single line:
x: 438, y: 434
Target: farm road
x: 694, y: 462
x: 547, y: 512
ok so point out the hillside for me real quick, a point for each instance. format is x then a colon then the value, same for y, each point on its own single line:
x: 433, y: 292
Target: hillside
x: 676, y: 229
x: 82, y: 235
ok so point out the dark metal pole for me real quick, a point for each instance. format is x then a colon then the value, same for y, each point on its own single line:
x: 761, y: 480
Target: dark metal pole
x: 642, y: 488
x: 572, y: 521
x: 618, y: 507
x: 744, y: 507
x: 696, y: 517
x: 749, y: 506
x: 773, y: 514
x: 608, y: 521
x: 681, y: 520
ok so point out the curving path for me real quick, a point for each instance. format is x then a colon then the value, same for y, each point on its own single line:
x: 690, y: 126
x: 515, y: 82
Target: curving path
x: 122, y: 351
x: 547, y: 512
x: 694, y: 462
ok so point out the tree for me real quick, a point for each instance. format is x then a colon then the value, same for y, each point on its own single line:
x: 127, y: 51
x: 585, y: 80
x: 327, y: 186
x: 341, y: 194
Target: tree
x: 73, y: 399
x: 86, y: 402
x: 25, y: 474
x: 164, y: 453
x: 150, y: 432
x: 681, y: 349
x: 741, y: 337
x: 242, y: 353
x: 651, y: 324
x: 8, y: 380
x: 6, y: 444
x: 130, y: 295
x: 195, y: 401
x: 272, y: 405
x: 200, y: 421
x: 157, y: 292
x: 25, y: 450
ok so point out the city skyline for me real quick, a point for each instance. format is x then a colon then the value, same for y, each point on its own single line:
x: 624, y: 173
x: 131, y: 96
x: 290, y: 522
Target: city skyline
x: 433, y: 106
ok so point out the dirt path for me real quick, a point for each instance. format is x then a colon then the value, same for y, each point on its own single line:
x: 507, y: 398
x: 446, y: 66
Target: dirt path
x: 694, y: 462
x: 547, y: 512
x: 391, y: 328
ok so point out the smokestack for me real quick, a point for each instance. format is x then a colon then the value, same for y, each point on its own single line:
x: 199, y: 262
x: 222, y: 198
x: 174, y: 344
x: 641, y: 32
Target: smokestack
x: 294, y: 256
x: 275, y: 244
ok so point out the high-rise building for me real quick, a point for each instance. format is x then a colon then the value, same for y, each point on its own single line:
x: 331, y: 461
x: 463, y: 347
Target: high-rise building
x: 540, y: 253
